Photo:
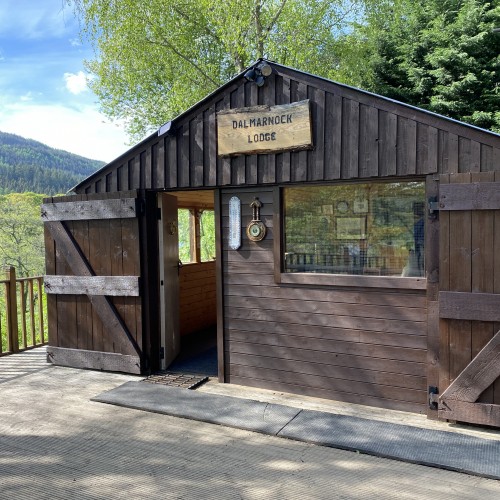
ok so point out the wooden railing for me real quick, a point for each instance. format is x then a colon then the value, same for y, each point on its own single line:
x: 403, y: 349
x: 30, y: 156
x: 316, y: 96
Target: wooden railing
x: 22, y: 313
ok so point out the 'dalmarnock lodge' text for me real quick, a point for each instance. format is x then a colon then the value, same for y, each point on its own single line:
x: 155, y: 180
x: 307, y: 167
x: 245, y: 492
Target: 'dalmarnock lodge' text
x: 264, y: 121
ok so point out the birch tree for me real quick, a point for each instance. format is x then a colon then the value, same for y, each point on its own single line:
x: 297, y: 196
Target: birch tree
x: 154, y: 59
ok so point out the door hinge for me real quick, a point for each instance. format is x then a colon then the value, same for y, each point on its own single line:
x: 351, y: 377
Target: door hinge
x: 433, y: 206
x: 433, y: 397
x: 140, y: 206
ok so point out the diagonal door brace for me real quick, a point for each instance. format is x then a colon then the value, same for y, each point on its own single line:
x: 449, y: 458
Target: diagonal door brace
x: 110, y: 318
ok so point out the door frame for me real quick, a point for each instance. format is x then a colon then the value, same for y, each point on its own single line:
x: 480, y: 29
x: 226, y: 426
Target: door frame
x: 218, y: 271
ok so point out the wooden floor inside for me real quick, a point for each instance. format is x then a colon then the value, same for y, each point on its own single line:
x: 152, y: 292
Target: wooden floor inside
x: 198, y: 353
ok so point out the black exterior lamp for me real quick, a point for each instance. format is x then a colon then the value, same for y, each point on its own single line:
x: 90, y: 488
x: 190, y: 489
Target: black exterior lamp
x: 259, y: 73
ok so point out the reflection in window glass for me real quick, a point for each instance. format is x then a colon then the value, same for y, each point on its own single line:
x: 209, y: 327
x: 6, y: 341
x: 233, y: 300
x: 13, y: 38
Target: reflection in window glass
x: 207, y: 235
x: 368, y: 229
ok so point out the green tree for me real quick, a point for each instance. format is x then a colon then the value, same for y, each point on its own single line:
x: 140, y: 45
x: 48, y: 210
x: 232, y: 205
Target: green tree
x: 21, y: 233
x: 441, y: 55
x: 207, y: 235
x: 155, y: 58
x: 27, y: 165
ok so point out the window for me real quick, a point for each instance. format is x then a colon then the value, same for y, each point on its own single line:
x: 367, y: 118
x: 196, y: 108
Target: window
x: 370, y: 229
x: 196, y: 235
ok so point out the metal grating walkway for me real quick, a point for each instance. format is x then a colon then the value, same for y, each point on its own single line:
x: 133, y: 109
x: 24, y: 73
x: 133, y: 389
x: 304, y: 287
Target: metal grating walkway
x: 173, y: 379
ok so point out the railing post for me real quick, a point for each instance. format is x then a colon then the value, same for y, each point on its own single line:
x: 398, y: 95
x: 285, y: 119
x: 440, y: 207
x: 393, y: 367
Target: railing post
x: 12, y: 326
x: 40, y: 309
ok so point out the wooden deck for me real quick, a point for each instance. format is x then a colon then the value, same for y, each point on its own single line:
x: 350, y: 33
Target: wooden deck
x: 50, y: 452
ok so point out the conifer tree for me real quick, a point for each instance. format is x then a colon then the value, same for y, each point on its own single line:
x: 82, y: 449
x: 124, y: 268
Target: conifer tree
x: 442, y: 55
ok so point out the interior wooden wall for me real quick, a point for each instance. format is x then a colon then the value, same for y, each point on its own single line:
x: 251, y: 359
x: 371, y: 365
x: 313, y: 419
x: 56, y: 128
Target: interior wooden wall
x: 197, y: 299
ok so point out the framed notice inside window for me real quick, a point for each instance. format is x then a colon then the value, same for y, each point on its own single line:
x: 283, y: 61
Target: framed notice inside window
x: 351, y: 228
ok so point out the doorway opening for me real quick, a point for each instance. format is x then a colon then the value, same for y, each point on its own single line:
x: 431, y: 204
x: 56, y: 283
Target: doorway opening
x: 188, y: 309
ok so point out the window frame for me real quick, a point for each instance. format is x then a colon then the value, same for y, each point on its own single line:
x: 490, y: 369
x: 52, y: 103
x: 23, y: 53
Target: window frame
x: 195, y: 236
x: 324, y: 279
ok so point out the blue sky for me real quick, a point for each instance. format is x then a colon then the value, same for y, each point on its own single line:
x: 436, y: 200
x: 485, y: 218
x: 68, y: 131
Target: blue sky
x: 43, y: 92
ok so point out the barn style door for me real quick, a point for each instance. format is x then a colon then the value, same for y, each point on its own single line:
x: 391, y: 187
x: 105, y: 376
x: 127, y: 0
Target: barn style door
x: 92, y: 281
x: 469, y: 298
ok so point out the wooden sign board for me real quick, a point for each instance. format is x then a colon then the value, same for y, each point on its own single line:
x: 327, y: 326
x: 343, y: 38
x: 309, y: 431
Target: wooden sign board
x: 264, y: 129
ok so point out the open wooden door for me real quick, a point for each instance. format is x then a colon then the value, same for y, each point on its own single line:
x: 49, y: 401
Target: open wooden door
x: 93, y: 271
x: 169, y: 279
x: 469, y: 298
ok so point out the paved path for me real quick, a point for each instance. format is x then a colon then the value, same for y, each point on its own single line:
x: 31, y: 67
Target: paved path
x: 55, y: 443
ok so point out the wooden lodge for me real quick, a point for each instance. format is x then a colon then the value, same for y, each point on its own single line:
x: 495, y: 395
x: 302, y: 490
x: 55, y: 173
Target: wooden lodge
x: 356, y: 249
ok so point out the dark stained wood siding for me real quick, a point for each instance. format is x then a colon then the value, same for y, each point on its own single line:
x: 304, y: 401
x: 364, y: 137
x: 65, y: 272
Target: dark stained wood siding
x: 369, y: 346
x: 355, y: 345
x: 469, y: 262
x: 111, y: 247
x: 356, y: 135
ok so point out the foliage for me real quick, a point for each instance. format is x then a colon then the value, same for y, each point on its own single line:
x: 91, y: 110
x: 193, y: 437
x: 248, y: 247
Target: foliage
x: 27, y: 165
x: 207, y: 235
x: 441, y: 55
x: 184, y: 234
x: 21, y: 233
x: 155, y: 59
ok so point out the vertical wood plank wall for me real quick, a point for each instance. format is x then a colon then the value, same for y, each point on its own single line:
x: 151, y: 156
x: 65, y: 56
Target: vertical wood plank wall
x: 112, y: 248
x: 356, y: 135
x: 354, y: 345
x: 197, y: 301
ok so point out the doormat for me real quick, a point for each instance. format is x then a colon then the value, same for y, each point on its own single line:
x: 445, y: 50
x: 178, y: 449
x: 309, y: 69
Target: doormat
x: 172, y: 379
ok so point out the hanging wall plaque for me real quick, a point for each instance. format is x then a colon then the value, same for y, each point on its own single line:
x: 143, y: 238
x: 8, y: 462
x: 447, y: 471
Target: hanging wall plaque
x: 264, y: 129
x: 234, y: 223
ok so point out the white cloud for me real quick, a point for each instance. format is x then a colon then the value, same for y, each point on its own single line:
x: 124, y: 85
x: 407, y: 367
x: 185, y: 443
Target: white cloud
x: 43, y: 91
x: 76, y: 83
x: 81, y: 131
x: 27, y: 97
x: 35, y: 19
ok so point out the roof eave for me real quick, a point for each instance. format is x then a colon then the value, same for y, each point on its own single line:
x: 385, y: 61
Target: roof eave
x: 169, y: 126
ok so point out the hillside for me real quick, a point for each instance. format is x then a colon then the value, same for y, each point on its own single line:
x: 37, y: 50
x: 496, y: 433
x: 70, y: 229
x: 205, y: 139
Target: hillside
x: 27, y: 165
